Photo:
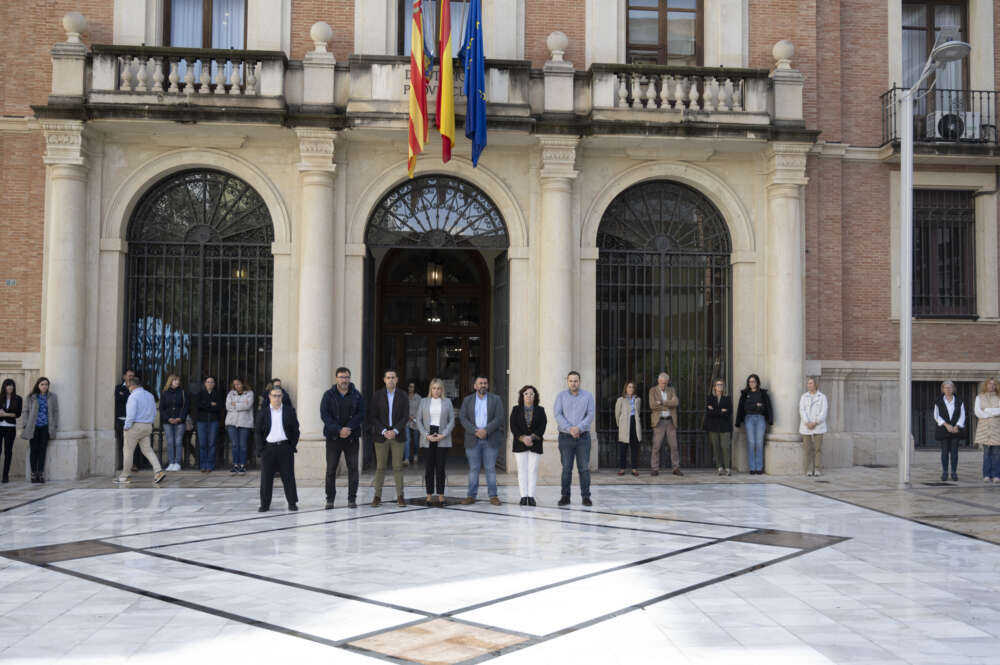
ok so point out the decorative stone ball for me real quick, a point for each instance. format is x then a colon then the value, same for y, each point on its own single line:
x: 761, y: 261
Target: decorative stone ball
x: 783, y: 50
x: 557, y: 42
x: 321, y: 33
x: 74, y: 24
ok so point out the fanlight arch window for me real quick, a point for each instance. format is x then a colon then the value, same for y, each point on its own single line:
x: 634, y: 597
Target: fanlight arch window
x: 438, y: 212
x: 663, y: 217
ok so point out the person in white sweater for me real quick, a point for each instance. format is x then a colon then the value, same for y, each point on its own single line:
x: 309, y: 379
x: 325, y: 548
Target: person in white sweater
x: 239, y: 423
x: 987, y: 410
x: 813, y: 409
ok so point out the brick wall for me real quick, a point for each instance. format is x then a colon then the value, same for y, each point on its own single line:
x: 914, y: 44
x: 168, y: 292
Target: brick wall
x: 338, y: 13
x: 542, y: 17
x: 795, y: 20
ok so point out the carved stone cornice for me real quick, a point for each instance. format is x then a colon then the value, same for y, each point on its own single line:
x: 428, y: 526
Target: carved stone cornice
x: 64, y: 142
x: 558, y: 156
x: 786, y: 163
x: 316, y: 149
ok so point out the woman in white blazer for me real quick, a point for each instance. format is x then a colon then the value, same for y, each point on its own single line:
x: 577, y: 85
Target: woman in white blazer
x: 813, y: 409
x: 435, y: 421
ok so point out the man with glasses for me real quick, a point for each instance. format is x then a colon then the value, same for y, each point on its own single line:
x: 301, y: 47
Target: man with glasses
x: 276, y: 431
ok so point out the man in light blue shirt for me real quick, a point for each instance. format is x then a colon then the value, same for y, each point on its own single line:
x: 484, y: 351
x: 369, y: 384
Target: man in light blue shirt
x: 140, y: 411
x: 574, y: 409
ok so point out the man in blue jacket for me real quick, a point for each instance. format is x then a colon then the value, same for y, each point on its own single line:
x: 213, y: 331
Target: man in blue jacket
x: 343, y: 412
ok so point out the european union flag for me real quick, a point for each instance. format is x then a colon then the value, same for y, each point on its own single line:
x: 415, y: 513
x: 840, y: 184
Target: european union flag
x: 474, y: 87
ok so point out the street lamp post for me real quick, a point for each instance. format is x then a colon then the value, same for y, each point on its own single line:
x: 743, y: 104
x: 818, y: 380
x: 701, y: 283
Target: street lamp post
x: 945, y: 52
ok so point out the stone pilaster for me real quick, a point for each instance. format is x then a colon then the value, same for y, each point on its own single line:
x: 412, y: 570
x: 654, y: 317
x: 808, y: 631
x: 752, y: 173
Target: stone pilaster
x: 316, y: 292
x: 64, y: 341
x: 785, y: 328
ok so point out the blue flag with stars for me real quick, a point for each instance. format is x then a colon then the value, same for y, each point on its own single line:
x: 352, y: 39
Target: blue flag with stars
x: 474, y: 86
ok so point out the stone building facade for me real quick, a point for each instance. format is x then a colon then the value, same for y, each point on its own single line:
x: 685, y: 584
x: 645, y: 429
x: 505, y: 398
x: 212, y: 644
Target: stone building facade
x: 710, y: 192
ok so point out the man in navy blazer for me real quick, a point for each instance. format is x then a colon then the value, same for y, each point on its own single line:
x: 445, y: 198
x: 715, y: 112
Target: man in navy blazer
x: 482, y: 415
x: 390, y: 409
x: 276, y: 431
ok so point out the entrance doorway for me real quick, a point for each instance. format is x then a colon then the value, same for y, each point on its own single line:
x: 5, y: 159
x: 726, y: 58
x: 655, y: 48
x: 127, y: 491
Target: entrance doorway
x: 434, y: 314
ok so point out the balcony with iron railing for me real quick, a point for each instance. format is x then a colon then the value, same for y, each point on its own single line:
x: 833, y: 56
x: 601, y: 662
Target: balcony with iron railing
x: 944, y: 119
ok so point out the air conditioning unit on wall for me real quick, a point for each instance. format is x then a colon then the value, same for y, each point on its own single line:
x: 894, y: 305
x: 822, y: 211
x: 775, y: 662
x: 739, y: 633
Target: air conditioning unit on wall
x: 954, y: 126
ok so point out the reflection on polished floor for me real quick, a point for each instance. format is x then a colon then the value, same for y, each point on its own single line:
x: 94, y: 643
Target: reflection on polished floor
x: 706, y: 573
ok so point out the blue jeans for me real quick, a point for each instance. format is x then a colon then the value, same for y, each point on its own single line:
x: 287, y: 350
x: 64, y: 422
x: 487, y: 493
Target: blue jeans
x: 482, y: 456
x: 238, y: 437
x: 578, y: 449
x: 206, y: 444
x: 412, y: 439
x: 174, y: 435
x: 991, y: 461
x: 755, y: 426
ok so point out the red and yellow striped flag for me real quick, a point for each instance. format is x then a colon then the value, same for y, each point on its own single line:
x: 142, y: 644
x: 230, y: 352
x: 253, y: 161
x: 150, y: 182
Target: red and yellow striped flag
x: 418, y: 89
x: 445, y: 118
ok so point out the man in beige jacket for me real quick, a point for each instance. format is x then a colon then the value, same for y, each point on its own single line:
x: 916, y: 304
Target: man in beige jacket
x: 663, y: 405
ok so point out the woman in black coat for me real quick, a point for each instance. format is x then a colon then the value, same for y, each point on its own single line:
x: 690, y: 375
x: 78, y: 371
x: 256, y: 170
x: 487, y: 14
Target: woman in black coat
x: 209, y: 403
x: 10, y: 411
x: 950, y: 416
x: 527, y: 424
x: 754, y: 411
x: 719, y: 425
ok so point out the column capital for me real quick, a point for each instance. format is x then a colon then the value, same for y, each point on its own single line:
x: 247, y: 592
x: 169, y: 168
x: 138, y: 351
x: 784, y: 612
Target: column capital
x: 64, y: 142
x: 786, y: 163
x: 558, y: 156
x: 316, y: 149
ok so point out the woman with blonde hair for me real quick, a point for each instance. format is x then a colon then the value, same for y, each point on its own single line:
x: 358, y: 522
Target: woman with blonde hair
x: 987, y: 410
x: 174, y: 405
x: 435, y: 421
x: 627, y: 410
x: 239, y: 422
x: 718, y: 426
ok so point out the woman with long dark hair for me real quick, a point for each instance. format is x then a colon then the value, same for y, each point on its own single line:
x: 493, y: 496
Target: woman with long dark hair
x: 754, y: 410
x: 627, y: 417
x: 10, y: 411
x: 41, y: 420
x: 527, y: 424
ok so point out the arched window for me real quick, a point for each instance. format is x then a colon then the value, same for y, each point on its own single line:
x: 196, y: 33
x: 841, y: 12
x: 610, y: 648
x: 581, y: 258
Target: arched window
x: 663, y: 305
x: 199, y: 282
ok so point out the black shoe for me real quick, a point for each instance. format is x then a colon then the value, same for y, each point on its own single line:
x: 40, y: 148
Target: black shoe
x: 262, y: 509
x: 329, y: 505
x: 351, y: 503
x: 293, y: 507
x: 564, y: 501
x: 587, y: 501
x: 5, y: 479
x: 954, y: 476
x: 531, y: 501
x: 944, y: 476
x: 524, y: 501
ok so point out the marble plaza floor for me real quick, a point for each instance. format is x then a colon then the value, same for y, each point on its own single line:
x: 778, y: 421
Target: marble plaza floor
x: 697, y: 571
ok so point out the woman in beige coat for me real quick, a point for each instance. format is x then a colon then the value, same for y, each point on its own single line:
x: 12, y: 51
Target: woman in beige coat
x: 988, y: 429
x: 627, y: 410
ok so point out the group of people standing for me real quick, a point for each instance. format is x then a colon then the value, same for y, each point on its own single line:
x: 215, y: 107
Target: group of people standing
x: 950, y: 418
x: 41, y: 419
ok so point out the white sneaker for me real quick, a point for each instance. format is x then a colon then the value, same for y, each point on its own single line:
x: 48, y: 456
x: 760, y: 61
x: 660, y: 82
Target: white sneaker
x: 809, y: 474
x: 996, y: 481
x: 817, y: 474
x: 986, y: 479
x: 721, y: 471
x: 122, y: 481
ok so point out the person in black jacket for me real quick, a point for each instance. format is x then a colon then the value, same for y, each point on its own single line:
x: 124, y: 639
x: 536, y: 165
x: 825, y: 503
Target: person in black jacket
x: 121, y: 398
x: 719, y: 425
x: 343, y: 412
x: 950, y: 416
x: 527, y: 424
x: 174, y: 406
x: 755, y: 410
x: 10, y: 410
x: 276, y: 432
x: 209, y: 403
x: 389, y: 413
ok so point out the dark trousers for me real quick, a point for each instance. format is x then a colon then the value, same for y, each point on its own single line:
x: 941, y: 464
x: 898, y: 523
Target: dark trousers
x: 949, y: 448
x: 434, y: 459
x: 632, y: 445
x: 39, y: 442
x: 334, y: 447
x: 7, y: 448
x: 277, y: 456
x: 577, y: 450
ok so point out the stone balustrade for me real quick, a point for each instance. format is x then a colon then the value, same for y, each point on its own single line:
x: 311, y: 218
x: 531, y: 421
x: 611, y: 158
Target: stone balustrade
x: 185, y: 74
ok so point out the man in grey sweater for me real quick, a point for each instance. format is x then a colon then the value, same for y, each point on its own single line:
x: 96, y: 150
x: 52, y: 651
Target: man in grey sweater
x: 574, y: 411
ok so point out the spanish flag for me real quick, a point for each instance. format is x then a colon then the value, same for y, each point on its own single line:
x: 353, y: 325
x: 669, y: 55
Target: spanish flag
x: 445, y: 118
x: 418, y: 89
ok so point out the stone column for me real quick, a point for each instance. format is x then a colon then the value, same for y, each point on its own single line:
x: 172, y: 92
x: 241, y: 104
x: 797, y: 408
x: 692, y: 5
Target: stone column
x: 316, y: 294
x: 65, y: 325
x: 785, y: 328
x: 556, y: 256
